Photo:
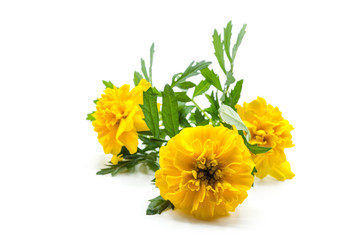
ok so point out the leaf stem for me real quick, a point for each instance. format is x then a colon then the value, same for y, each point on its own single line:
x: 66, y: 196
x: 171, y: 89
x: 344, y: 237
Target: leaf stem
x: 206, y: 115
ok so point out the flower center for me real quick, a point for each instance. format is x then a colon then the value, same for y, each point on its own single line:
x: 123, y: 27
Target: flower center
x: 207, y: 171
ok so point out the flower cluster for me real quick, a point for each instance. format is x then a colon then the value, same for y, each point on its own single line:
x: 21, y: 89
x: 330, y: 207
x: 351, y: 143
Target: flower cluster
x: 204, y: 159
x: 269, y: 129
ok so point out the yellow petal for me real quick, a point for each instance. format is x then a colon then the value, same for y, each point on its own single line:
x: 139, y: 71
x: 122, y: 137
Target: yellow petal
x: 282, y: 172
x: 137, y: 92
x: 116, y: 159
x: 129, y: 140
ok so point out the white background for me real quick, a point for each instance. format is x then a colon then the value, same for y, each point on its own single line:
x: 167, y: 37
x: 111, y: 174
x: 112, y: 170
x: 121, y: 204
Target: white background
x: 302, y: 57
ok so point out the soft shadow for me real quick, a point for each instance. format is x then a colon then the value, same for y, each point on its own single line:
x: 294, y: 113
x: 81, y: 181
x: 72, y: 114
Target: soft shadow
x: 233, y: 219
x: 268, y: 181
x: 101, y: 161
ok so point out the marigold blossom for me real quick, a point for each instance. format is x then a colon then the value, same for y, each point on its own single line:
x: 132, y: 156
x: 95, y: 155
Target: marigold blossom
x: 205, y: 171
x: 269, y: 129
x: 119, y: 117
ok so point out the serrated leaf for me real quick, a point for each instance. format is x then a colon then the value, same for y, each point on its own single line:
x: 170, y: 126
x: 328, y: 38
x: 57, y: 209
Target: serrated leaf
x: 151, y: 161
x: 229, y: 78
x: 231, y: 117
x: 254, y: 171
x: 150, y: 143
x: 186, y: 85
x: 153, y: 165
x: 96, y: 100
x: 170, y: 114
x: 200, y: 118
x: 108, y: 84
x: 157, y: 92
x: 211, y: 77
x: 254, y: 148
x: 227, y: 38
x: 123, y: 166
x: 90, y: 117
x: 124, y: 151
x: 184, y: 110
x: 202, y: 87
x: 105, y: 171
x: 150, y: 111
x: 137, y: 78
x: 238, y: 41
x: 235, y: 93
x: 191, y: 70
x: 219, y: 50
x: 147, y: 133
x: 144, y: 71
x: 152, y: 50
x: 214, y: 106
x: 228, y: 102
x: 182, y: 97
x: 158, y: 205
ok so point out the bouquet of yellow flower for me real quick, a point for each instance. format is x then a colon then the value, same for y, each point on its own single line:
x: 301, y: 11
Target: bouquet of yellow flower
x: 204, y: 159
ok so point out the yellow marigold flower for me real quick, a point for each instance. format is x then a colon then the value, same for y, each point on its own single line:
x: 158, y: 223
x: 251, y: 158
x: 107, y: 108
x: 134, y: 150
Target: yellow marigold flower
x: 268, y: 129
x: 205, y: 171
x: 118, y: 117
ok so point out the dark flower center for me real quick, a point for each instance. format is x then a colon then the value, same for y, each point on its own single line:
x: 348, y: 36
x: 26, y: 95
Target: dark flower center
x: 208, y: 171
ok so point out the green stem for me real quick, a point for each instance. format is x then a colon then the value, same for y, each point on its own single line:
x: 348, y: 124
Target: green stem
x: 206, y: 115
x: 227, y: 90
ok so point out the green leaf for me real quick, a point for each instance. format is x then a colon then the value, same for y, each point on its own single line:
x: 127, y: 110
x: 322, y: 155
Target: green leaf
x: 150, y: 111
x: 227, y: 38
x: 151, y: 161
x: 90, y: 117
x: 144, y: 71
x: 229, y: 78
x: 227, y: 100
x: 214, y: 106
x: 200, y: 118
x: 96, y: 100
x: 147, y: 133
x: 123, y: 166
x: 157, y: 92
x: 184, y: 110
x: 254, y: 148
x: 182, y: 97
x: 211, y: 77
x: 254, y: 171
x: 137, y: 78
x: 152, y: 165
x: 186, y: 85
x: 108, y: 84
x: 238, y: 41
x: 202, y: 87
x: 158, y: 205
x: 219, y: 50
x: 170, y: 111
x: 231, y: 117
x: 151, y: 60
x: 235, y: 93
x: 191, y: 70
x: 124, y: 151
x: 151, y: 143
